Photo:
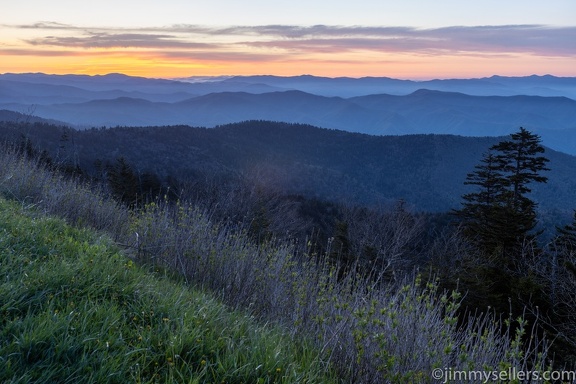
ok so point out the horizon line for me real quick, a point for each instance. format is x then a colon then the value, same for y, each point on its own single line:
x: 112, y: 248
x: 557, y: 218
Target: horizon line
x: 229, y: 76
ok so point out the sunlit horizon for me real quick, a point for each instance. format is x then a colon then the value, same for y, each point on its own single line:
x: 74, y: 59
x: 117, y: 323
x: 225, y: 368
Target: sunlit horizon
x: 214, y: 77
x: 401, y: 67
x: 417, y: 40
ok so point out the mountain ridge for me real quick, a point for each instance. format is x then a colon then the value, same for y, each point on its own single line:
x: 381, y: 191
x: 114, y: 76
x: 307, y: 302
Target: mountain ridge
x: 546, y: 85
x: 427, y: 171
x: 437, y: 106
x: 423, y: 111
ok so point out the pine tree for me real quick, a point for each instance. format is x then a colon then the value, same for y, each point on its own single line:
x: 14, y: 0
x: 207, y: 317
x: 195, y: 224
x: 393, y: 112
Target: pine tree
x: 479, y: 207
x: 519, y: 159
x: 499, y: 219
x: 123, y: 182
x: 500, y: 215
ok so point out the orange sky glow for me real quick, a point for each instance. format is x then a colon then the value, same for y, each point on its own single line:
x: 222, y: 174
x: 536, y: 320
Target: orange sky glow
x: 153, y: 43
x: 352, y: 64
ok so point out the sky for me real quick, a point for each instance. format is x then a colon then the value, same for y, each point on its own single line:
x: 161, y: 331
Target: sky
x: 409, y: 39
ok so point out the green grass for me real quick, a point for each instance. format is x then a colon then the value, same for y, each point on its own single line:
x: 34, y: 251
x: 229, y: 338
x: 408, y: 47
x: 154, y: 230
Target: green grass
x: 74, y: 309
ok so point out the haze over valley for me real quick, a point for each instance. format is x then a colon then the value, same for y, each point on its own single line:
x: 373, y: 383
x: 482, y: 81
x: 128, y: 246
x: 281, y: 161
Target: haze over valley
x: 492, y: 106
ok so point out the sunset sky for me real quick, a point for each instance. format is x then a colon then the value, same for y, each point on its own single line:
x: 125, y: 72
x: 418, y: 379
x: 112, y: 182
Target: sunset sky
x: 412, y: 39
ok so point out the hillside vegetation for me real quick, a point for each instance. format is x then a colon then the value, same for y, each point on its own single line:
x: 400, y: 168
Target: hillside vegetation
x: 75, y: 309
x: 69, y: 297
x: 426, y: 171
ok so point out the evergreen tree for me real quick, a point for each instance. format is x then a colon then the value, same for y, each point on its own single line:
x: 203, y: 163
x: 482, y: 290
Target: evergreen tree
x: 499, y: 219
x: 123, y: 182
x: 479, y: 208
x: 519, y: 159
x: 500, y: 216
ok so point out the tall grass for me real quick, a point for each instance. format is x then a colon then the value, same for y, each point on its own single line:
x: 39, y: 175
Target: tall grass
x: 373, y: 334
x: 370, y: 333
x: 30, y: 183
x: 75, y: 310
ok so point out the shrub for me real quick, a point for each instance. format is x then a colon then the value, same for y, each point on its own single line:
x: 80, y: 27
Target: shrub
x: 369, y: 332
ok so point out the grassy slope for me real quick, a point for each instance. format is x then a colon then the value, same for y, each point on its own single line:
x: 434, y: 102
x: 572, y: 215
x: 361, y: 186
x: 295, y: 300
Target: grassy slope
x: 72, y: 308
x: 369, y: 335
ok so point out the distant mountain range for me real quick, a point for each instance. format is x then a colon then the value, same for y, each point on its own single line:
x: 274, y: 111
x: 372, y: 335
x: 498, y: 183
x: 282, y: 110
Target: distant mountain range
x: 350, y: 87
x: 492, y: 106
x: 118, y: 85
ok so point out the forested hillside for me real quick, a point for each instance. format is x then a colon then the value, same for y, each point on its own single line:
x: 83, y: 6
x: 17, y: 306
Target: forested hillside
x: 353, y: 295
x: 426, y: 171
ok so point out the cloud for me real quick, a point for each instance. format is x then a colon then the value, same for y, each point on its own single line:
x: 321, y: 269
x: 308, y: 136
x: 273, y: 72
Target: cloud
x: 117, y: 40
x: 533, y: 39
x: 45, y: 25
x: 37, y: 52
x: 270, y: 42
